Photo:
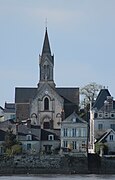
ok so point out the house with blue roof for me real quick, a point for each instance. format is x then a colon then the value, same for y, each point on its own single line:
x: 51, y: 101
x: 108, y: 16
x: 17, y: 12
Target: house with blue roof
x: 102, y: 116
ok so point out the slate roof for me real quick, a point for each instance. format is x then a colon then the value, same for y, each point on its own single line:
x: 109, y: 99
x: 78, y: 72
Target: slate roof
x: 22, y: 137
x: 9, y: 107
x: 102, y: 96
x: 104, y: 135
x: 24, y: 130
x: 75, y: 117
x: 46, y: 44
x: 69, y: 107
x: 5, y: 124
x: 71, y: 93
x: 1, y: 108
x: 45, y: 133
x: 24, y: 95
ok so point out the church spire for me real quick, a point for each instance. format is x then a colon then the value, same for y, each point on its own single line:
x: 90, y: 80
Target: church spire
x: 46, y: 44
x: 46, y: 64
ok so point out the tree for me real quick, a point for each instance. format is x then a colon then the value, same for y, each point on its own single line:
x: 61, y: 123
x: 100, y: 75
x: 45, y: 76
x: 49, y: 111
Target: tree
x: 101, y: 147
x: 15, y: 149
x: 10, y: 139
x: 89, y: 93
x: 11, y: 145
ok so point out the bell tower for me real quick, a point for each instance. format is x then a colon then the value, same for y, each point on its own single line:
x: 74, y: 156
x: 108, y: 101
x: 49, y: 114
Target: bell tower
x: 46, y: 64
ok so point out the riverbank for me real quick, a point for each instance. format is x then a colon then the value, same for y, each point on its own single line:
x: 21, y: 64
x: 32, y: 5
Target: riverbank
x: 55, y: 164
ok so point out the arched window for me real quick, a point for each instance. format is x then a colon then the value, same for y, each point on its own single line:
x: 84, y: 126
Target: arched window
x: 46, y: 104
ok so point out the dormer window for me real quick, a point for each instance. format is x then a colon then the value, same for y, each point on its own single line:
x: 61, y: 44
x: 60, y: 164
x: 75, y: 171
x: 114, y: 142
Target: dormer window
x: 112, y: 114
x: 29, y: 137
x: 74, y: 119
x: 46, y: 104
x: 51, y: 137
x: 106, y: 115
x: 111, y: 137
x: 100, y: 115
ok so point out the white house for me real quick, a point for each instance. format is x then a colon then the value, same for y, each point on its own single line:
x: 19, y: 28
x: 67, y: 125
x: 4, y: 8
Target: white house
x: 108, y: 138
x: 74, y: 132
x: 102, y: 116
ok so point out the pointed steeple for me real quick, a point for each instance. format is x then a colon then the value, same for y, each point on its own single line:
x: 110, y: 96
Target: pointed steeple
x: 46, y: 44
x: 46, y: 64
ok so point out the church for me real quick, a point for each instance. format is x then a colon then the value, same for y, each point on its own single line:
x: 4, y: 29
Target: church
x: 46, y: 105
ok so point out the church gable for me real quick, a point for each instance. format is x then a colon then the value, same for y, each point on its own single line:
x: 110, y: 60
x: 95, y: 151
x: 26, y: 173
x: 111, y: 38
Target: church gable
x: 46, y: 105
x: 74, y: 118
x: 47, y: 90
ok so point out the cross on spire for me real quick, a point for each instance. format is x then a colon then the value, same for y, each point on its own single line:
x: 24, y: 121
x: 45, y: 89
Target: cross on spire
x: 46, y: 22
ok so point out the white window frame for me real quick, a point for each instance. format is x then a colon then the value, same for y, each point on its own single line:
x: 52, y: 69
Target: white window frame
x: 74, y: 144
x: 29, y: 146
x: 65, y: 144
x: 106, y: 115
x: 83, y: 145
x: 51, y: 137
x: 73, y: 132
x: 112, y: 115
x: 65, y: 132
x: 100, y: 115
x: 83, y: 132
x: 100, y: 125
x: 111, y: 137
x: 29, y: 137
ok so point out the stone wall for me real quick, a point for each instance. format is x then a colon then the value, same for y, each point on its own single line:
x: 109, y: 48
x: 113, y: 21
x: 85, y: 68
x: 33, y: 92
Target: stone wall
x: 55, y: 164
x: 43, y: 164
x: 101, y: 165
x: 108, y: 165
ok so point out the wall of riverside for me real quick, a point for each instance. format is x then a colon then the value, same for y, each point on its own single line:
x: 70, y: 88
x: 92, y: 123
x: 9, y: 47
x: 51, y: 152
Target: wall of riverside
x: 101, y: 165
x: 43, y: 164
x: 55, y: 164
x: 108, y: 165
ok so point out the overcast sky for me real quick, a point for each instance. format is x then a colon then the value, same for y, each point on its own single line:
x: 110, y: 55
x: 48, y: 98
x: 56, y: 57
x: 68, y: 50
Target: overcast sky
x: 82, y: 38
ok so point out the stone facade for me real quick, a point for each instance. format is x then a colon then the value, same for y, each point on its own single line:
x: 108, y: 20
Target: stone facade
x: 74, y: 132
x: 47, y: 114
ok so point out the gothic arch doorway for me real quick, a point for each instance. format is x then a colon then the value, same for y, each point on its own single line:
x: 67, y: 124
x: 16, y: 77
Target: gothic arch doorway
x: 47, y: 123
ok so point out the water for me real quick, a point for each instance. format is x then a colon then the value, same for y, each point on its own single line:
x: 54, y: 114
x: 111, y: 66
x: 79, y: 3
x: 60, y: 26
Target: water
x: 60, y: 177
